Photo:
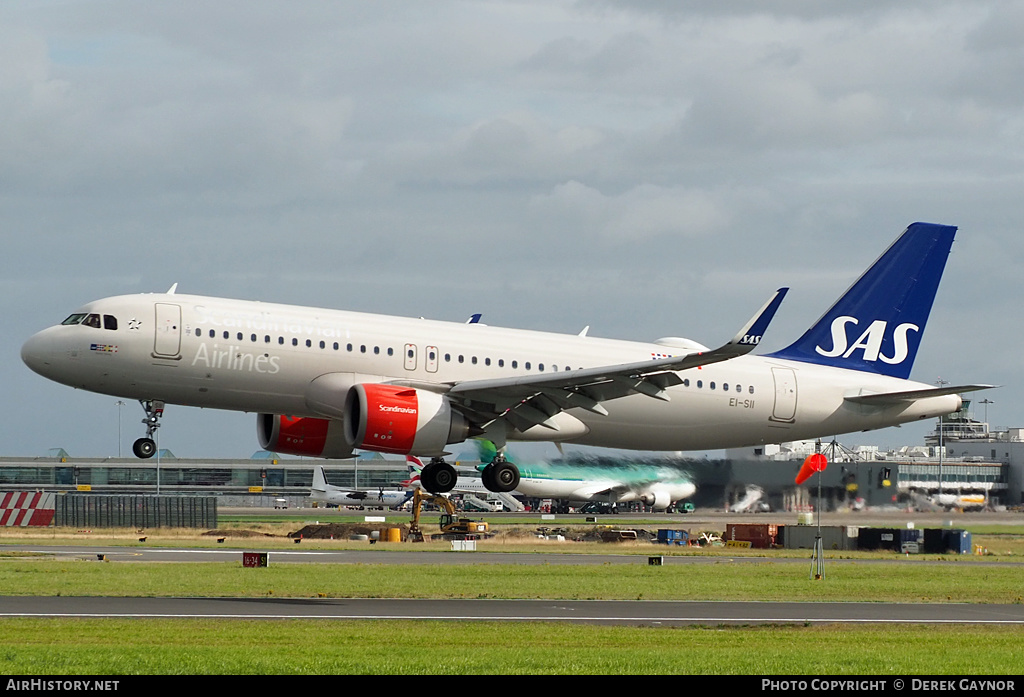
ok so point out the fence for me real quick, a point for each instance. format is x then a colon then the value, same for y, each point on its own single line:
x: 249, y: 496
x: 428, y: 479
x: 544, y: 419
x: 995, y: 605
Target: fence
x: 125, y: 511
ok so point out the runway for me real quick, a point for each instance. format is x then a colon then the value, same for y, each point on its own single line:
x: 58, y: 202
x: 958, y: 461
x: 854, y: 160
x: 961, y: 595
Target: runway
x: 617, y: 612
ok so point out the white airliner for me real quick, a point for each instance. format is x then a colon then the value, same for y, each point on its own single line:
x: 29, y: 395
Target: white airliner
x: 322, y: 492
x: 326, y: 382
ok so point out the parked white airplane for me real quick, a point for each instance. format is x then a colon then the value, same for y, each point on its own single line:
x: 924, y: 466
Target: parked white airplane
x: 322, y: 492
x: 327, y: 382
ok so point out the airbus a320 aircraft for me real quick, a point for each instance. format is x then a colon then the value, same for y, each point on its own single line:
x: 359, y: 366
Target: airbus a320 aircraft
x: 326, y: 382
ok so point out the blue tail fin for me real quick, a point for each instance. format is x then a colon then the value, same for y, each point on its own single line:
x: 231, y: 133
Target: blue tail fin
x: 876, y: 326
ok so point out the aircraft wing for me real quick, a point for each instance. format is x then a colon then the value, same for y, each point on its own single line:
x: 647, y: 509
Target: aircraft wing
x: 529, y: 400
x: 889, y: 398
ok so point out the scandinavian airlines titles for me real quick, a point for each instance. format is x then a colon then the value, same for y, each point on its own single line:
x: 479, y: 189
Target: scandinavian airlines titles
x: 870, y: 341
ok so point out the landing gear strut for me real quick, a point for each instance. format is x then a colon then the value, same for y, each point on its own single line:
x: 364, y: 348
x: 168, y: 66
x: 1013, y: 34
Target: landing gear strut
x: 438, y: 477
x: 145, y: 448
x: 500, y: 476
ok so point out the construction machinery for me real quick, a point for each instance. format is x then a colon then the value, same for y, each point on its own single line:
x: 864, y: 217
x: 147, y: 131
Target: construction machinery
x: 452, y: 527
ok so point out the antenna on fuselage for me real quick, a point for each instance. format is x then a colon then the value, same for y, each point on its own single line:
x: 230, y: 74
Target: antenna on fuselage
x: 170, y: 291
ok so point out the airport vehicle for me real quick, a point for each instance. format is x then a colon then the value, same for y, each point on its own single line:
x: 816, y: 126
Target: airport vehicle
x: 325, y: 383
x: 322, y: 492
x: 452, y: 526
x: 961, y: 501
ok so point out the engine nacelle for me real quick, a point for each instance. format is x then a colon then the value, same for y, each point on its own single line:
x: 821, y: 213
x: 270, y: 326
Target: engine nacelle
x: 658, y: 499
x: 293, y: 435
x: 401, y: 420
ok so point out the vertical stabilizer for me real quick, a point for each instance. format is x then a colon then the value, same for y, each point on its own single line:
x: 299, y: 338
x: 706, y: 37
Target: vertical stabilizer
x: 877, y: 325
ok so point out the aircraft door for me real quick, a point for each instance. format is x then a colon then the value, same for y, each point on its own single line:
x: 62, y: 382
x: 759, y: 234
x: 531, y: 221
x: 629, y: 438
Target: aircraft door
x: 410, y: 356
x: 785, y: 395
x: 167, y: 342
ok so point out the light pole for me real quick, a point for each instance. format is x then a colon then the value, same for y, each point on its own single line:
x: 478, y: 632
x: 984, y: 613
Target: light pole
x: 119, y: 405
x: 940, y: 382
x: 986, y: 402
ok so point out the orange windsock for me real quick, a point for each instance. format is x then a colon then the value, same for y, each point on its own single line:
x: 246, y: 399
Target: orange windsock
x: 814, y: 463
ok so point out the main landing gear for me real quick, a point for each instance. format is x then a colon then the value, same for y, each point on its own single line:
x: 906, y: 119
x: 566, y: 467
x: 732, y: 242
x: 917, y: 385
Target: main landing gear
x: 438, y: 477
x: 145, y: 448
x: 500, y: 476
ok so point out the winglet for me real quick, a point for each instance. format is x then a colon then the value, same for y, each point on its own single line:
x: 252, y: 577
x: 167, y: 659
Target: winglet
x: 750, y: 336
x: 743, y: 343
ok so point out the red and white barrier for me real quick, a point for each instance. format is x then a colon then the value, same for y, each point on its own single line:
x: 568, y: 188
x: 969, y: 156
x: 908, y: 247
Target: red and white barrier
x: 25, y: 508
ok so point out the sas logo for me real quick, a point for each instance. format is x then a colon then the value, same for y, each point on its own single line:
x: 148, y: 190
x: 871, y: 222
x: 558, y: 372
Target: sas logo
x: 870, y: 341
x: 749, y: 340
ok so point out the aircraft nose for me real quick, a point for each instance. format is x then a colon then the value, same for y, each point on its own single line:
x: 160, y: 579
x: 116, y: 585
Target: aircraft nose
x: 37, y: 352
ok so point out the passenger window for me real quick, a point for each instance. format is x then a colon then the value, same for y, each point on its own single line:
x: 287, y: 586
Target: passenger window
x: 109, y: 322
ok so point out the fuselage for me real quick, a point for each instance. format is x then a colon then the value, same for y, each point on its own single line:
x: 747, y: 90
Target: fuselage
x: 369, y: 498
x: 265, y: 358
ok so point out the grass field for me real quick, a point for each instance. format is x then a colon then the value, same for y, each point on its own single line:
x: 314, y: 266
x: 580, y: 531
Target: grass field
x: 722, y: 580
x: 158, y: 646
x: 240, y: 647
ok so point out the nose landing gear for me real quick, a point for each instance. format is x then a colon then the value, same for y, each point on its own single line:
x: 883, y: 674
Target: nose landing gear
x: 145, y: 448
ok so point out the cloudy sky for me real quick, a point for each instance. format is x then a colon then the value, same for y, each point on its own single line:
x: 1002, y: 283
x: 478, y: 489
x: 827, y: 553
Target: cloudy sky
x: 645, y: 168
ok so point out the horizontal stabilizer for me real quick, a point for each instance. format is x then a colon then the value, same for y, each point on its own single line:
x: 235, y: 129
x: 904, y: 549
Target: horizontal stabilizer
x: 883, y: 398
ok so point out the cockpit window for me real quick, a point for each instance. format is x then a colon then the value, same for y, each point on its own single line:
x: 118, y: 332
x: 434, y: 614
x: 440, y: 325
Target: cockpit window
x: 92, y: 321
x: 109, y: 322
x: 75, y: 318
